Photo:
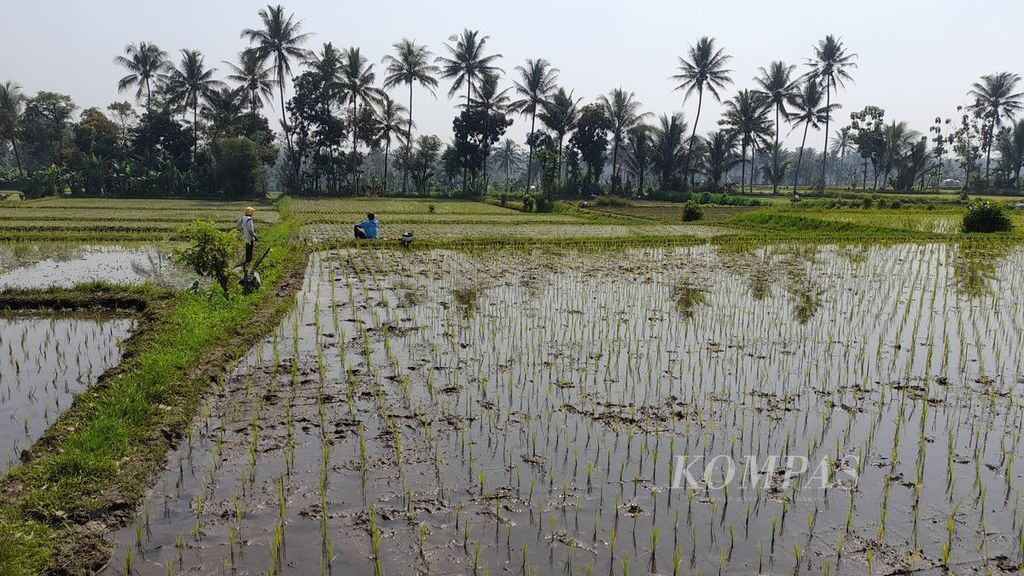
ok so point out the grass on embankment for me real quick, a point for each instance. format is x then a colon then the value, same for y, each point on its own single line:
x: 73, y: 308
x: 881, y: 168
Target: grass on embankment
x: 88, y: 471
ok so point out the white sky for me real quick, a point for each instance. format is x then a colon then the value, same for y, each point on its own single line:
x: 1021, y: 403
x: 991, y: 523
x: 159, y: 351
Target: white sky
x: 917, y: 58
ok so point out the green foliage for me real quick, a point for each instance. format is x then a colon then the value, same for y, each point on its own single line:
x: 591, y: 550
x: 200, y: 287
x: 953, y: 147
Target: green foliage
x: 210, y: 251
x: 239, y: 170
x: 114, y: 440
x: 692, y: 212
x: 986, y: 217
x: 527, y: 203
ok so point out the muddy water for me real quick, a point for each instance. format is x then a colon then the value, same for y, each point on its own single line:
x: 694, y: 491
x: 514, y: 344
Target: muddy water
x: 516, y: 412
x: 44, y: 362
x: 42, y: 267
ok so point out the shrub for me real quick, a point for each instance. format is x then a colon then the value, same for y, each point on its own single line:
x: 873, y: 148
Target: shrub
x: 692, y: 212
x: 210, y: 251
x: 527, y: 203
x: 986, y: 217
x: 543, y: 204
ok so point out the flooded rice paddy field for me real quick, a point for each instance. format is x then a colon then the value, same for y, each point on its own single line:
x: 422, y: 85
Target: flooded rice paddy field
x: 44, y: 362
x: 535, y: 412
x: 62, y: 266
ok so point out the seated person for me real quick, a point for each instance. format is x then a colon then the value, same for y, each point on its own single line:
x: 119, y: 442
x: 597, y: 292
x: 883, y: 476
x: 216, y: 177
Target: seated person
x: 367, y: 229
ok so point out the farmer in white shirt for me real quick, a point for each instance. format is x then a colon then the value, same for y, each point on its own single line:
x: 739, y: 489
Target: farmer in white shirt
x: 245, y: 224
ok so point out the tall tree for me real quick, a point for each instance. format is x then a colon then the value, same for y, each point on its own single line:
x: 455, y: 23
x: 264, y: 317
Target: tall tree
x: 995, y: 98
x: 391, y: 118
x: 536, y: 83
x: 808, y: 111
x: 354, y: 87
x: 508, y: 159
x: 777, y: 83
x: 489, y: 97
x: 897, y: 142
x: 623, y: 112
x: 410, y: 65
x: 746, y: 117
x: 639, y: 154
x: 668, y: 137
x: 280, y: 42
x: 1011, y: 150
x: 189, y: 82
x: 721, y: 156
x: 146, y: 64
x: 560, y: 113
x: 831, y: 67
x: 467, y: 62
x: 254, y: 77
x: 841, y: 143
x: 224, y: 106
x: 11, y: 106
x: 702, y: 69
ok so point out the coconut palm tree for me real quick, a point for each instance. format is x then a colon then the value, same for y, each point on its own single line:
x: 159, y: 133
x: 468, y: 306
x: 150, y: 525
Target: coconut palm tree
x: 746, y: 117
x: 354, y: 86
x: 667, y: 144
x: 189, y: 82
x: 391, y: 116
x: 639, y: 154
x: 808, y: 111
x: 777, y: 83
x: 146, y: 64
x: 468, y: 62
x: 410, y: 65
x: 831, y: 67
x: 703, y: 69
x: 223, y: 106
x: 842, y: 142
x: 536, y: 82
x: 488, y: 97
x: 897, y: 142
x: 1010, y: 145
x: 623, y: 112
x: 280, y: 42
x: 507, y: 157
x: 11, y: 100
x: 559, y: 114
x: 776, y: 173
x: 254, y: 77
x: 995, y: 98
x: 721, y: 155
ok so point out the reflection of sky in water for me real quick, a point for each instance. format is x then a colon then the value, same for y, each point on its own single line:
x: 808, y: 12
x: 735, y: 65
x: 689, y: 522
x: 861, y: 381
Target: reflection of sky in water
x: 544, y: 394
x: 34, y: 267
x: 44, y: 363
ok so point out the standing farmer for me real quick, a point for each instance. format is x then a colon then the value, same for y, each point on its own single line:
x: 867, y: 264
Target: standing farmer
x: 245, y: 224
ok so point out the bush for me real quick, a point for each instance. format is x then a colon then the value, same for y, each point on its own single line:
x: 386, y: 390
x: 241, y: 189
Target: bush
x: 986, y: 217
x: 210, y: 251
x: 692, y: 212
x: 527, y: 203
x: 543, y: 204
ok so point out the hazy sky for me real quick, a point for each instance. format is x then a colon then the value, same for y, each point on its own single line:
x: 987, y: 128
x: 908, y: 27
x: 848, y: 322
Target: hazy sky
x: 916, y: 59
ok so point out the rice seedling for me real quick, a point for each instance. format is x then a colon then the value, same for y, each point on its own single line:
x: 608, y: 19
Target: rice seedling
x: 570, y: 390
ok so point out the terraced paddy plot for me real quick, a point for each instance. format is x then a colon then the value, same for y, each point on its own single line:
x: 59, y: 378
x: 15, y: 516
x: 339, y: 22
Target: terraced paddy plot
x: 44, y: 362
x: 67, y: 266
x: 527, y: 412
x: 329, y: 221
x: 112, y: 220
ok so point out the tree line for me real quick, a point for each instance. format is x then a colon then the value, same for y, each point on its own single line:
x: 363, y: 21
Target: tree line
x: 348, y: 127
